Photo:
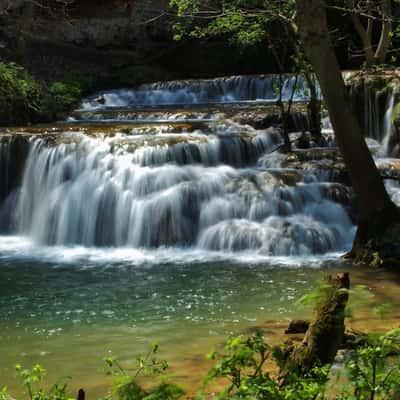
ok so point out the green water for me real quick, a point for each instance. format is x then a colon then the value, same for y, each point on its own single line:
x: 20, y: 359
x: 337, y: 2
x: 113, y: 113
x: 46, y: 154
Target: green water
x: 68, y: 316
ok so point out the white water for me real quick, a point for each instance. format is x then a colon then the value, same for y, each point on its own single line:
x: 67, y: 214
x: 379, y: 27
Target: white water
x: 82, y: 193
x: 161, y: 193
x: 220, y: 90
x: 388, y: 125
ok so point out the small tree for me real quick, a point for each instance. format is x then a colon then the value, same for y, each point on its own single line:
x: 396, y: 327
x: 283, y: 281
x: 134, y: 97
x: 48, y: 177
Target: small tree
x: 257, y: 23
x: 368, y: 16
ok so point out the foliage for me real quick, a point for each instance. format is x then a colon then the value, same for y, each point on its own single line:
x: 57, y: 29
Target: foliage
x: 65, y: 94
x: 371, y: 372
x: 246, y: 22
x: 243, y: 363
x: 126, y: 386
x: 25, y: 100
x: 266, y: 24
x: 33, y: 382
x: 21, y: 97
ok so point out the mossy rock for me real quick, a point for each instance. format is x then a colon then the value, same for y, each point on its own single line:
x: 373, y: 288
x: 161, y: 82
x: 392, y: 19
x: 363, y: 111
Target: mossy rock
x: 380, y: 251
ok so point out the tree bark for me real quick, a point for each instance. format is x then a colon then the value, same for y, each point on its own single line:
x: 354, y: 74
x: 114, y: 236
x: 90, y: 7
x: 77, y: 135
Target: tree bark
x: 364, y: 34
x: 376, y: 212
x: 324, y: 335
x: 386, y: 29
x: 314, y: 109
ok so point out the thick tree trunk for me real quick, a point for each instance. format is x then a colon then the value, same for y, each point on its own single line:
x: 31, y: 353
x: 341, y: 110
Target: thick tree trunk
x: 324, y: 335
x: 376, y: 210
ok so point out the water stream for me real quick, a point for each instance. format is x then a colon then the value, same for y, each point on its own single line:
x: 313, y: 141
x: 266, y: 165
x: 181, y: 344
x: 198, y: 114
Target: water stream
x: 159, y: 213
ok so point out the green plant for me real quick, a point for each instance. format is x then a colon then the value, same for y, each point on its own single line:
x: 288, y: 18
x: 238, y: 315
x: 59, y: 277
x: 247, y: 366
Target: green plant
x: 4, y: 395
x: 33, y: 382
x: 21, y: 97
x: 372, y: 372
x: 66, y: 93
x: 243, y: 363
x: 126, y: 386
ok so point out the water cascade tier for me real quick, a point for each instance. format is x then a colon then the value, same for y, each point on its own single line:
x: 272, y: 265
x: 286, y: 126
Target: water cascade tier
x: 134, y: 169
x: 265, y: 88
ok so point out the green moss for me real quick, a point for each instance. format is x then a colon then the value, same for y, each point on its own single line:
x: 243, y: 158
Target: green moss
x: 396, y: 114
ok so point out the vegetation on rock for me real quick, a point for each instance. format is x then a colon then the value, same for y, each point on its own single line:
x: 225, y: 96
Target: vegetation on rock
x: 24, y: 100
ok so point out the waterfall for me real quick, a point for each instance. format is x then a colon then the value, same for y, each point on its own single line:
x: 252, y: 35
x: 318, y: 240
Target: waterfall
x: 373, y: 121
x: 84, y: 192
x: 219, y: 90
x: 388, y: 125
x: 178, y: 178
x: 374, y: 103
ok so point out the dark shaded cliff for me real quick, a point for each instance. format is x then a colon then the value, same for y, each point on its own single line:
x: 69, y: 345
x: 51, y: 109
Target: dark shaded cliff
x: 114, y: 37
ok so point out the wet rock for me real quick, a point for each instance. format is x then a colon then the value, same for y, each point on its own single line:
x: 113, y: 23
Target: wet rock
x: 100, y: 100
x: 339, y: 193
x: 288, y: 177
x: 389, y: 168
x: 314, y: 154
x: 13, y: 154
x: 297, y: 326
x: 259, y: 121
x: 354, y: 339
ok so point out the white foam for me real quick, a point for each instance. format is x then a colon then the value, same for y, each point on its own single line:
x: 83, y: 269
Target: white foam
x: 23, y: 249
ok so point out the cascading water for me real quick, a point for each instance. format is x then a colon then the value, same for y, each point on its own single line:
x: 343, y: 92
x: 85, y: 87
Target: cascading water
x: 388, y: 125
x: 374, y: 104
x: 192, y: 178
x: 220, y: 90
x: 87, y: 193
x: 174, y: 177
x: 205, y: 187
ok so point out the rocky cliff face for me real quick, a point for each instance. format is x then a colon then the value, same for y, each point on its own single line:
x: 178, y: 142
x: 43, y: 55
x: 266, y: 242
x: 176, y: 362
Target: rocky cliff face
x: 113, y: 24
x: 104, y: 35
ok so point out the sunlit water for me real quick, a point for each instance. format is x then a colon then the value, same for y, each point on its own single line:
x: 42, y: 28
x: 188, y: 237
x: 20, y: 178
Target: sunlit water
x: 68, y: 308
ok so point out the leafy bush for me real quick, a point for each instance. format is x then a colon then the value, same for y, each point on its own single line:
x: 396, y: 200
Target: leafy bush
x: 243, y: 363
x: 21, y: 97
x: 372, y: 372
x: 32, y: 381
x: 126, y: 386
x: 65, y: 94
x: 26, y: 100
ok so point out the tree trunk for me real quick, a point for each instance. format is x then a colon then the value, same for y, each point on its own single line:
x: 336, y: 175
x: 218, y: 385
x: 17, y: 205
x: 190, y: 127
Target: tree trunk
x: 364, y: 34
x: 376, y: 211
x: 386, y: 30
x: 324, y: 336
x: 285, y: 116
x: 314, y: 109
